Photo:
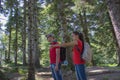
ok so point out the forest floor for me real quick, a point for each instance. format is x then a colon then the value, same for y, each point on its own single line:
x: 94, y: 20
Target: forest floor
x: 93, y: 73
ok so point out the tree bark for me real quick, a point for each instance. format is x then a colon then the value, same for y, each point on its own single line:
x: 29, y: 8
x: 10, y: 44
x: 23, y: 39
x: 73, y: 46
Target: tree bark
x: 66, y: 37
x: 24, y: 34
x: 9, y: 48
x: 83, y: 22
x: 16, y: 35
x: 10, y: 30
x: 117, y: 46
x: 36, y: 38
x: 114, y: 12
x: 0, y: 57
x: 85, y: 27
x: 31, y: 67
x: 5, y: 55
x: 16, y: 45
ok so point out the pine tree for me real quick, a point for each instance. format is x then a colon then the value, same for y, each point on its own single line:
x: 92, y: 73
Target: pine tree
x: 24, y: 33
x: 31, y: 65
x: 114, y: 12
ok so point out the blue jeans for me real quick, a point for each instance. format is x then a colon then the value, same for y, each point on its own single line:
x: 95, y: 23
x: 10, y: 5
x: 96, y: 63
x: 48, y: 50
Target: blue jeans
x: 80, y: 72
x: 57, y: 75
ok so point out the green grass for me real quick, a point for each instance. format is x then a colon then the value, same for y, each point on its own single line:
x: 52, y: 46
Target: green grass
x: 112, y: 65
x: 108, y: 65
x: 22, y: 71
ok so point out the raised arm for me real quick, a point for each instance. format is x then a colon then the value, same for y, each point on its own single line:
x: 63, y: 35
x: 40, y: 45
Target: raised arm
x: 66, y: 44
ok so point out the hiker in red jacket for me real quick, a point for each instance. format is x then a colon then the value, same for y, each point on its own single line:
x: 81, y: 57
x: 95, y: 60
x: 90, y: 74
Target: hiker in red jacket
x: 54, y: 54
x: 78, y: 41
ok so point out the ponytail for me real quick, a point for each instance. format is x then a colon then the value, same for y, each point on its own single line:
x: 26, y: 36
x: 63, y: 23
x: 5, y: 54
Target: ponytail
x: 81, y: 37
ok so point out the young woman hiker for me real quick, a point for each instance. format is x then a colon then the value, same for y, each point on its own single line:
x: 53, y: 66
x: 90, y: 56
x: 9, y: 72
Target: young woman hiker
x: 78, y: 41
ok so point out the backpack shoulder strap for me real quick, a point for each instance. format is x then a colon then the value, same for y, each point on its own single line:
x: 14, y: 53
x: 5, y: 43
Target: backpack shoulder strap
x: 79, y: 48
x: 83, y: 46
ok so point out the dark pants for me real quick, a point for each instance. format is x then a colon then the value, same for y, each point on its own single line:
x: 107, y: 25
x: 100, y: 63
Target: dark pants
x: 80, y: 72
x: 57, y: 75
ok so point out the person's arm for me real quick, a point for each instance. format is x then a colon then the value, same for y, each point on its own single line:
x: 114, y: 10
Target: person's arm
x: 66, y: 44
x: 57, y: 58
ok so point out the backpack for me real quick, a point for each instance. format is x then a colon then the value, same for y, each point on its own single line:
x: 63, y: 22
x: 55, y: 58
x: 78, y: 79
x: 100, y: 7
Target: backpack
x: 86, y: 52
x: 62, y: 53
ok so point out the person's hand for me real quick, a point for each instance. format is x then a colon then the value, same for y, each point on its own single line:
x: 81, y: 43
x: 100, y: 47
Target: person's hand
x: 51, y: 46
x: 56, y: 68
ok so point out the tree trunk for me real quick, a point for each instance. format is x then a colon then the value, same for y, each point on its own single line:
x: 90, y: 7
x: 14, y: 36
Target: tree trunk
x: 31, y: 67
x: 83, y: 21
x: 0, y: 57
x: 66, y: 38
x: 114, y: 12
x: 36, y: 38
x: 24, y: 35
x: 10, y: 30
x: 84, y: 24
x: 16, y: 45
x: 0, y: 3
x: 85, y: 27
x: 117, y: 46
x: 118, y: 53
x: 16, y: 35
x: 9, y: 48
x: 5, y: 55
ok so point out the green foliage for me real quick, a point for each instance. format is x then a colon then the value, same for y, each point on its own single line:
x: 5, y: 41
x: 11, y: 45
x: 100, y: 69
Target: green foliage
x: 99, y: 25
x: 22, y: 70
x: 44, y: 51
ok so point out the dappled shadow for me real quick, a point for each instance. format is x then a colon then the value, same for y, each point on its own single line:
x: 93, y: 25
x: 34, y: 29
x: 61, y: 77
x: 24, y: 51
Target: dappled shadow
x: 102, y: 70
x: 93, y: 73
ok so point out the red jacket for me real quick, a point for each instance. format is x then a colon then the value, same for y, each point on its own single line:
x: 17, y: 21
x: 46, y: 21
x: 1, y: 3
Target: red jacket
x: 52, y: 53
x: 77, y: 54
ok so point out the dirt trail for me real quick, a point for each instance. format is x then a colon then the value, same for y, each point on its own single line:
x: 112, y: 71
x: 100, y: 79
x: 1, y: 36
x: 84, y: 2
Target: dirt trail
x: 93, y: 73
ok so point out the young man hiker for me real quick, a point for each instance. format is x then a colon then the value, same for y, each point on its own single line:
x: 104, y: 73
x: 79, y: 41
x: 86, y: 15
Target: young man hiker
x: 54, y: 54
x: 77, y: 42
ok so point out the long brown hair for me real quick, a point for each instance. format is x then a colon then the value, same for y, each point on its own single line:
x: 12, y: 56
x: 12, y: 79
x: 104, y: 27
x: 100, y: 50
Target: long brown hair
x: 80, y: 35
